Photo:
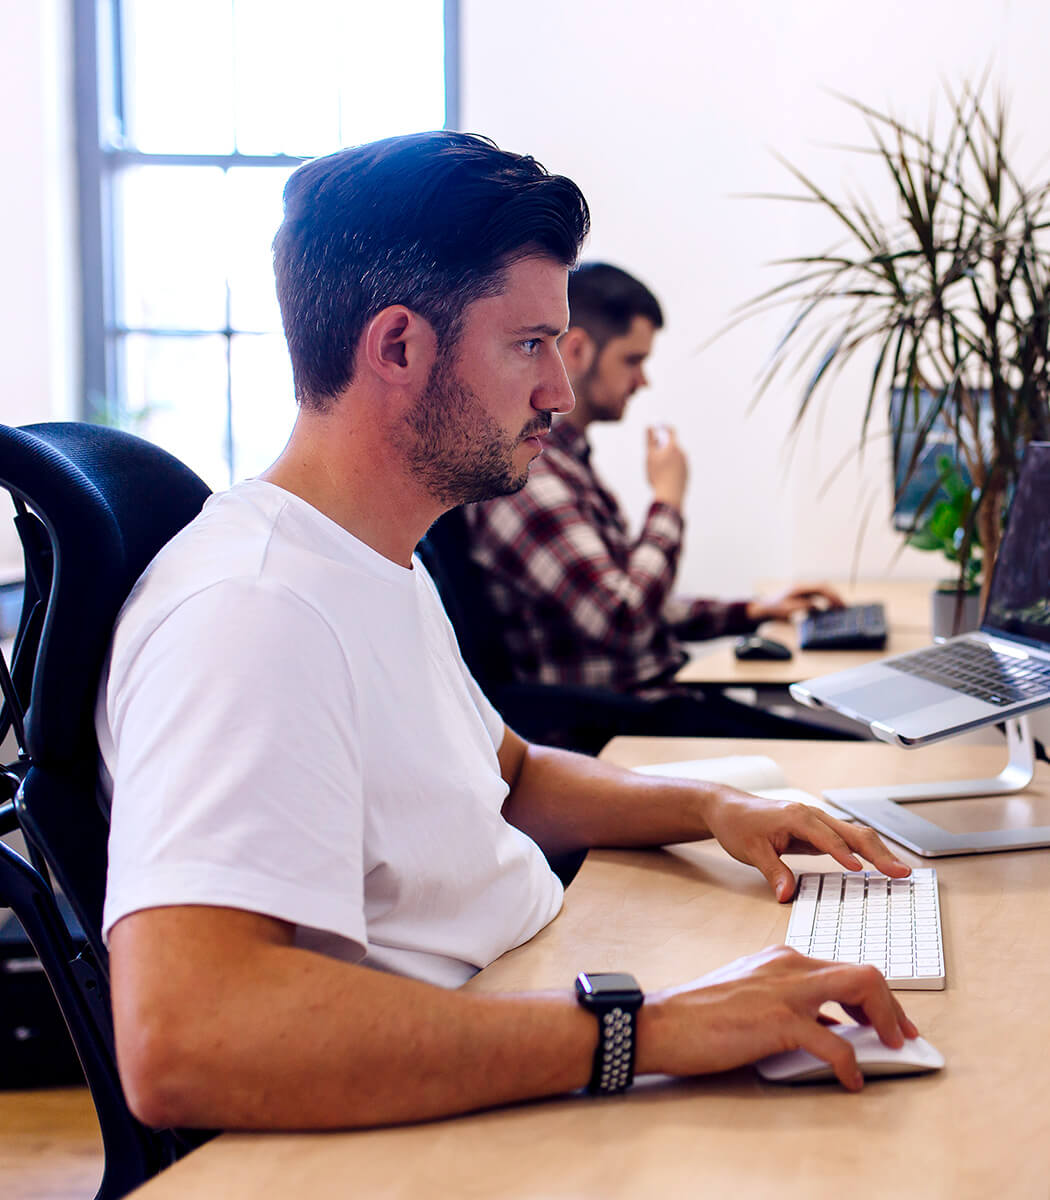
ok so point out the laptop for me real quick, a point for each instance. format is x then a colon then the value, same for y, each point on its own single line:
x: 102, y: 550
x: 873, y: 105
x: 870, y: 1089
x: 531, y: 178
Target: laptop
x: 1001, y: 671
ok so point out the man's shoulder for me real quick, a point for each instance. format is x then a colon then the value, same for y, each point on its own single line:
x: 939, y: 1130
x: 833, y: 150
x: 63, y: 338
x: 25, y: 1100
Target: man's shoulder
x: 228, y: 540
x: 205, y: 596
x: 228, y: 565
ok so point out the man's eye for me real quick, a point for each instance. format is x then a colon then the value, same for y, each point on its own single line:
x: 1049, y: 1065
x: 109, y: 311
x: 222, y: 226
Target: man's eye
x: 531, y: 345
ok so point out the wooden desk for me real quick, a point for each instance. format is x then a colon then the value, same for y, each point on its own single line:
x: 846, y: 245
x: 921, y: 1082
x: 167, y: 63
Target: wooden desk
x: 907, y: 605
x: 980, y: 1128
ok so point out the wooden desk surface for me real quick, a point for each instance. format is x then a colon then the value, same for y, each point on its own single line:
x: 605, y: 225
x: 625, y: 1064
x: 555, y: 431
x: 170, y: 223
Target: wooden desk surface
x: 907, y: 605
x: 977, y: 1129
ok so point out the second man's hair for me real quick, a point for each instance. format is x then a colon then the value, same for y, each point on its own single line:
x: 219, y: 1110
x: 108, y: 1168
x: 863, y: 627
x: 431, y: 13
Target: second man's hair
x: 604, y: 300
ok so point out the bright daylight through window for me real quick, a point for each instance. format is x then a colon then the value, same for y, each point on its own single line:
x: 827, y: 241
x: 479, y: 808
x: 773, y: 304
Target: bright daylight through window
x: 205, y: 107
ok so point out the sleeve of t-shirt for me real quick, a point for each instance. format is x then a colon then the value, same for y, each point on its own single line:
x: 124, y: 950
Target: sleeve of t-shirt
x: 236, y: 769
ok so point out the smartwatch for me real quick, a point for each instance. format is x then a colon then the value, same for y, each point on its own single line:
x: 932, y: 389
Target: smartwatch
x: 615, y: 998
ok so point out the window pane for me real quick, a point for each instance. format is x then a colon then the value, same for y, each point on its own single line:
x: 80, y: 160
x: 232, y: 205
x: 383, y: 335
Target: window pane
x: 287, y: 75
x: 172, y: 260
x: 176, y: 396
x: 263, y: 402
x: 178, y: 76
x: 392, y: 86
x: 337, y: 74
x: 255, y: 207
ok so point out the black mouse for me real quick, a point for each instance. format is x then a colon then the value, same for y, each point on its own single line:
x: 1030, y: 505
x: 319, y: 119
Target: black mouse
x: 754, y: 647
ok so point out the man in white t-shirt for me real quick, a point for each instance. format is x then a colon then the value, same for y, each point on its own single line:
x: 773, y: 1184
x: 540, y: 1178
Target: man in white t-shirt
x: 320, y: 827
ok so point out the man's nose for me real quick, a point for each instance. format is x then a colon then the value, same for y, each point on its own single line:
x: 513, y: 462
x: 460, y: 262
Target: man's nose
x: 554, y: 393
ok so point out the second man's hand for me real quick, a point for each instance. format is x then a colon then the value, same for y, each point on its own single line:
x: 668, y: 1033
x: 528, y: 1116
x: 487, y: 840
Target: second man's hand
x: 802, y: 598
x: 757, y: 832
x: 667, y: 467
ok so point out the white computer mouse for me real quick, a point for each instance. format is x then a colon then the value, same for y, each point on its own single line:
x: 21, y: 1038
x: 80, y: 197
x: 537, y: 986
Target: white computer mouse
x: 874, y: 1058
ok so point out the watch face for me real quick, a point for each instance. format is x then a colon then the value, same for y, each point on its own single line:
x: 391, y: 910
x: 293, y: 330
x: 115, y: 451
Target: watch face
x: 610, y: 983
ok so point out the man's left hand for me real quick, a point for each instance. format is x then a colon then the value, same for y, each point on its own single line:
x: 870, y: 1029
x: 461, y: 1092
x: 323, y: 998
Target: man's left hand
x: 801, y: 598
x: 758, y: 832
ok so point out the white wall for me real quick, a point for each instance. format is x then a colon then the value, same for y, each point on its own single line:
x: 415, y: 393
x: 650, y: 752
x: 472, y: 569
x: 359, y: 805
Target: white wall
x: 38, y: 305
x: 663, y: 111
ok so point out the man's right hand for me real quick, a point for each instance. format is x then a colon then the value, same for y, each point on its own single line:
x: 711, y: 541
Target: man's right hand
x: 764, y: 1004
x: 666, y: 465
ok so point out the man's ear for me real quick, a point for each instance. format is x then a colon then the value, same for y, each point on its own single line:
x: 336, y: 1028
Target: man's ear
x: 398, y: 346
x: 578, y: 350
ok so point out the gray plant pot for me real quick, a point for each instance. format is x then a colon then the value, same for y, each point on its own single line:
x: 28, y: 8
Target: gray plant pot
x: 949, y: 617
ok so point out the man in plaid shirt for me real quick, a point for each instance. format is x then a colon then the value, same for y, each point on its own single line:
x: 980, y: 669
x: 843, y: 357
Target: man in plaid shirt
x: 580, y: 600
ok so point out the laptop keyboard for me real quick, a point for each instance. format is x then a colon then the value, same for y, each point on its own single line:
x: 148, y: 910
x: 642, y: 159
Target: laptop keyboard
x: 858, y: 627
x: 975, y: 669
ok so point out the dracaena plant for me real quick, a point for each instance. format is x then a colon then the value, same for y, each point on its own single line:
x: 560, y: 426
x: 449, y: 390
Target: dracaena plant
x: 947, y: 294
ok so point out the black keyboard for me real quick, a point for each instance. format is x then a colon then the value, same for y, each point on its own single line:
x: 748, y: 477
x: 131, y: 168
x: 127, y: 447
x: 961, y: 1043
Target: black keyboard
x: 858, y: 627
x: 975, y: 669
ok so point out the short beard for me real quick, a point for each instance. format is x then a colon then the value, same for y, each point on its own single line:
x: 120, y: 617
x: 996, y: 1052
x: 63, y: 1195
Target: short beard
x: 455, y: 449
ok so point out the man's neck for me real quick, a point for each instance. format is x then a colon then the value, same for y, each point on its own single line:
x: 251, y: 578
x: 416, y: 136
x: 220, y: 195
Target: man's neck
x: 351, y: 475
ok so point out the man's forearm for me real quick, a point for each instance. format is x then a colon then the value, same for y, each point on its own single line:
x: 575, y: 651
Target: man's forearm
x: 566, y: 801
x: 223, y: 1032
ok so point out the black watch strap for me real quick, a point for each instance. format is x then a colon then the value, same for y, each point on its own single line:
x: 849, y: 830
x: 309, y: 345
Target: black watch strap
x: 615, y: 999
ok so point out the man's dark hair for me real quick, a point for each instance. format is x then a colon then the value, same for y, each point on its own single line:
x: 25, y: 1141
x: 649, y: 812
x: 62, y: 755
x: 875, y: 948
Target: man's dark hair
x: 604, y: 300
x: 428, y: 220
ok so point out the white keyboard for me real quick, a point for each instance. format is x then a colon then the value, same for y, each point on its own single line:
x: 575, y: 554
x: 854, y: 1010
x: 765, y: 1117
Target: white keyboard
x: 866, y: 917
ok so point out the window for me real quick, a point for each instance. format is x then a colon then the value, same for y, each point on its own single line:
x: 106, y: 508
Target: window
x: 204, y: 107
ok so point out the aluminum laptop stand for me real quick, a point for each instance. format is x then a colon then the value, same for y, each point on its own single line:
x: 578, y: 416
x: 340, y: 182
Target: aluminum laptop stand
x: 883, y: 808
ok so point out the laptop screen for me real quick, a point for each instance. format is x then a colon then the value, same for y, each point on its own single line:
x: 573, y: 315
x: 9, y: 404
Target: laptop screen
x: 1019, y: 597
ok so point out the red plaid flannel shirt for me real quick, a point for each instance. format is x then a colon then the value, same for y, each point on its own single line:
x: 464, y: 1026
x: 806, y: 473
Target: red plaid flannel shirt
x: 582, y: 603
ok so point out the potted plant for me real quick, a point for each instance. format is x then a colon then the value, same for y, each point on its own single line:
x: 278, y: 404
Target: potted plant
x: 945, y: 526
x: 950, y: 297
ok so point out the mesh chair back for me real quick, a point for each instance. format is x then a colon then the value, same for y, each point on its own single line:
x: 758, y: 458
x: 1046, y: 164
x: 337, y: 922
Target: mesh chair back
x: 95, y: 505
x: 107, y: 501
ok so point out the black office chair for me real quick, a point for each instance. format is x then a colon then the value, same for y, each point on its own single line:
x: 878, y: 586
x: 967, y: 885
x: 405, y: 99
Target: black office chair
x: 93, y: 505
x: 576, y: 718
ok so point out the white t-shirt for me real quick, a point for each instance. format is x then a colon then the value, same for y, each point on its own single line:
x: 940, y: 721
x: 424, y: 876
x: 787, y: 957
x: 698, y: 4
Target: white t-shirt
x: 287, y: 727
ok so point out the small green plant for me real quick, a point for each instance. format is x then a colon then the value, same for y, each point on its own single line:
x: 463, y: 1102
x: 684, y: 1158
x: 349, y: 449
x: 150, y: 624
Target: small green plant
x: 948, y: 526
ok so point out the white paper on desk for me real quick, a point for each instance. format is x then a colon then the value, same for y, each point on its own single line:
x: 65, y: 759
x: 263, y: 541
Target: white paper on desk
x: 755, y: 773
